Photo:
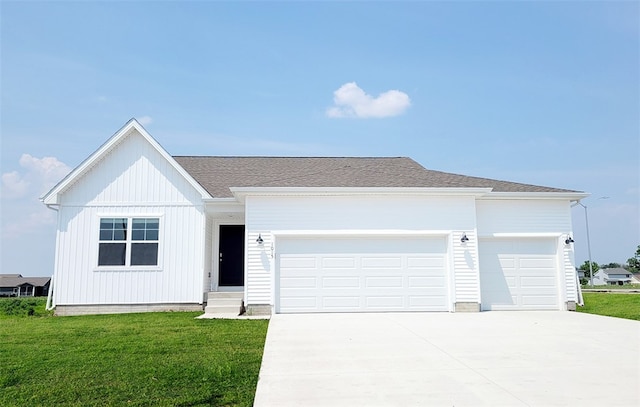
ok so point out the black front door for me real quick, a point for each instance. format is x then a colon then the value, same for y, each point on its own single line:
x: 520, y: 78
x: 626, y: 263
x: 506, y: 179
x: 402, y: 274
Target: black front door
x: 231, y: 257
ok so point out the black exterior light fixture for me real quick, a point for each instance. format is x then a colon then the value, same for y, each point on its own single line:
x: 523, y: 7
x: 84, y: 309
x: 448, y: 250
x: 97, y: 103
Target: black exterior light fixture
x: 464, y: 238
x: 568, y: 240
x: 259, y: 240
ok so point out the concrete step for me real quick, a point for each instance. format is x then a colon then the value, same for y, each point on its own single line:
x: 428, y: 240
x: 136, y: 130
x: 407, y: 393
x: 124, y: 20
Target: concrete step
x: 224, y: 302
x: 213, y: 309
x: 213, y: 295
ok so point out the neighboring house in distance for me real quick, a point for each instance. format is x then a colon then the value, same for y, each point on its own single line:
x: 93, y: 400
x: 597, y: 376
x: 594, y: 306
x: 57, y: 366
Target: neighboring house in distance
x: 140, y: 230
x: 612, y: 276
x: 14, y: 285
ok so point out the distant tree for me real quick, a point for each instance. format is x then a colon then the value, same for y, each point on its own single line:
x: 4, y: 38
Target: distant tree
x: 585, y: 268
x: 634, y: 262
x: 611, y: 266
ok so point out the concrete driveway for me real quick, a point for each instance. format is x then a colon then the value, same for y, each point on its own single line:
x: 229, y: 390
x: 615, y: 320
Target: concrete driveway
x: 441, y: 359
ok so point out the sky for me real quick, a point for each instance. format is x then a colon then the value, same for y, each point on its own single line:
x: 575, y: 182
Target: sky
x: 544, y: 93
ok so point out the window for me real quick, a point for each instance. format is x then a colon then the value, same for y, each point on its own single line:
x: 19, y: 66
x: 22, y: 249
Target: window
x: 128, y: 242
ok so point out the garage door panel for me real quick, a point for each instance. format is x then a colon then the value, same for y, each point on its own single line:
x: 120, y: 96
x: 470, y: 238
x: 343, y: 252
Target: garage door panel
x: 339, y: 262
x: 426, y: 282
x: 384, y: 282
x: 384, y: 302
x: 354, y: 275
x: 341, y: 282
x: 507, y: 263
x: 518, y: 274
x: 421, y: 301
x: 425, y: 262
x: 341, y: 302
x: 298, y: 262
x: 535, y: 263
x: 537, y: 283
x: 299, y: 282
x: 381, y: 263
x: 308, y: 303
x: 539, y: 301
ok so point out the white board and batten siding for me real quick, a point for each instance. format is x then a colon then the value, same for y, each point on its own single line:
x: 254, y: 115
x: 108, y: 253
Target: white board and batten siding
x: 133, y: 181
x: 331, y: 229
x: 524, y: 263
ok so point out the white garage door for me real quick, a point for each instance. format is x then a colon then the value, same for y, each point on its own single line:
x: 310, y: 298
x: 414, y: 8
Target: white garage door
x: 518, y: 274
x: 361, y: 274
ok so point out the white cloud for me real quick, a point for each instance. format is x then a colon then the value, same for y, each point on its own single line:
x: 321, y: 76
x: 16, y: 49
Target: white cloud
x: 43, y: 173
x: 144, y: 120
x: 22, y: 211
x: 351, y: 101
x: 13, y: 185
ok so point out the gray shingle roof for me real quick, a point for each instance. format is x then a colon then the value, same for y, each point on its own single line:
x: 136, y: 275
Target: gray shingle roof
x: 14, y: 280
x: 218, y: 174
x: 617, y: 270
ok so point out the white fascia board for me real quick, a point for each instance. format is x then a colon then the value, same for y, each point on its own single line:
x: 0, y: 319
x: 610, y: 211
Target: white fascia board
x: 571, y: 196
x: 224, y: 205
x: 241, y: 192
x: 523, y: 234
x: 51, y: 197
x: 357, y: 232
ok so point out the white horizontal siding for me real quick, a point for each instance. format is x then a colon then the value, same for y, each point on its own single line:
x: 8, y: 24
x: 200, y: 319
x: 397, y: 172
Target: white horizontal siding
x: 265, y: 214
x: 465, y: 265
x: 523, y: 216
x: 360, y: 212
x: 569, y: 269
x: 132, y: 173
x: 181, y: 256
x: 259, y: 268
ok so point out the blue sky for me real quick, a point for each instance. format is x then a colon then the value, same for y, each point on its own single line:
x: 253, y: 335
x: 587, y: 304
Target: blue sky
x: 545, y: 93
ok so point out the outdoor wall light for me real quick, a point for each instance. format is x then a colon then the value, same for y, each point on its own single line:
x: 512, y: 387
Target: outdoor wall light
x: 259, y: 240
x: 568, y: 240
x: 464, y: 238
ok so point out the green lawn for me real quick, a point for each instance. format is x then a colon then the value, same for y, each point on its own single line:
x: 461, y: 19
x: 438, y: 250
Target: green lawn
x: 612, y: 287
x: 152, y: 359
x: 612, y: 304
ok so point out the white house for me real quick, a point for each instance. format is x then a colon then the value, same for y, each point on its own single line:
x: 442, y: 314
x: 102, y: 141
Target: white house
x: 141, y: 230
x: 613, y: 276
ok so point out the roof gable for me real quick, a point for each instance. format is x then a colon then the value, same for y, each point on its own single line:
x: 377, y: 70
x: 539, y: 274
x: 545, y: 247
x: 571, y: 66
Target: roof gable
x: 131, y: 127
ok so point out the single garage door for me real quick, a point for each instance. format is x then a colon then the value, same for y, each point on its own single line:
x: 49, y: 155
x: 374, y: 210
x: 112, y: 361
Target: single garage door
x: 361, y: 274
x: 518, y: 274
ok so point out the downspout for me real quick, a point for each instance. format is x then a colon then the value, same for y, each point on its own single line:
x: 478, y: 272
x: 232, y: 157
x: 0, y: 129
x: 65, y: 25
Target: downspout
x: 580, y: 299
x: 50, y: 300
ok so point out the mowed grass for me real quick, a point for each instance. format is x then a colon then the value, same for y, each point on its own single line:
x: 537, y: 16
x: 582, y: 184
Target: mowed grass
x: 612, y: 304
x: 152, y: 359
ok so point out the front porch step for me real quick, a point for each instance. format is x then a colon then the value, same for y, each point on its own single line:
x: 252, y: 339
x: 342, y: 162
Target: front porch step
x: 224, y: 303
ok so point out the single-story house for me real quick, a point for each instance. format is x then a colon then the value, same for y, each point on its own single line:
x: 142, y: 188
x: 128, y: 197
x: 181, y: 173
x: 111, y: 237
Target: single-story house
x: 612, y: 276
x: 141, y: 230
x: 14, y: 285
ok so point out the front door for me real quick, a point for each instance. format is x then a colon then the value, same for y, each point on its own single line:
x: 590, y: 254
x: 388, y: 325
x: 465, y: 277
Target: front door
x: 231, y: 256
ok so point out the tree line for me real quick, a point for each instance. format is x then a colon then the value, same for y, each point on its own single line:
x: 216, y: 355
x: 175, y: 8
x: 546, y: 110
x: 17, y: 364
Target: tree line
x: 632, y: 265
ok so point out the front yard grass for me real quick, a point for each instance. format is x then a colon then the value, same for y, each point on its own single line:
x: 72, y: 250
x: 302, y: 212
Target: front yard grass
x: 612, y: 304
x: 151, y: 359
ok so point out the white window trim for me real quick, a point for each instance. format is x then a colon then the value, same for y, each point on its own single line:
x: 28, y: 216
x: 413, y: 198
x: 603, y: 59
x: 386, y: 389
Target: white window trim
x: 130, y: 216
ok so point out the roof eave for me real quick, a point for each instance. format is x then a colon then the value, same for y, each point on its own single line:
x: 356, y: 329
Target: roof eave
x: 241, y: 192
x: 564, y: 195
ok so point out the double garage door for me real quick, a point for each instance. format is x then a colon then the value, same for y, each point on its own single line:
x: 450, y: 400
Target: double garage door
x: 518, y: 274
x: 330, y: 274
